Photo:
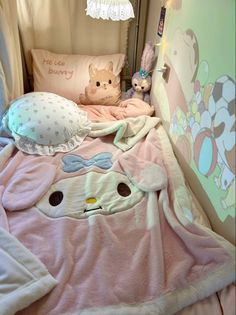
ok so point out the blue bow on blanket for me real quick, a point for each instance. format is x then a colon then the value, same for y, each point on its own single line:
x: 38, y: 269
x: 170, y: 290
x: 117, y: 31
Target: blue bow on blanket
x: 73, y: 163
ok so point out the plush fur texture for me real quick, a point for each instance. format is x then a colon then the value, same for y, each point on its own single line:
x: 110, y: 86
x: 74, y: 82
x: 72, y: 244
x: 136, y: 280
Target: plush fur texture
x: 103, y: 87
x: 147, y: 57
x: 141, y: 80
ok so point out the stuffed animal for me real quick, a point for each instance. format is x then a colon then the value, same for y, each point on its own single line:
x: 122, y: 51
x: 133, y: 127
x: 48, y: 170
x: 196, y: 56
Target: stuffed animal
x: 103, y: 87
x: 141, y: 80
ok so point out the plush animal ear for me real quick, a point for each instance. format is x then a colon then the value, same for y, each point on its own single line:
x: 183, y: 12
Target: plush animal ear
x: 92, y: 70
x: 145, y: 175
x: 28, y: 185
x: 109, y: 66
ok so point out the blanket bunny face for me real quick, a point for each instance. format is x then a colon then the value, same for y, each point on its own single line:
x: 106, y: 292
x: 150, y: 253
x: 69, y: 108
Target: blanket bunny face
x: 88, y: 194
x: 78, y: 186
x: 103, y: 87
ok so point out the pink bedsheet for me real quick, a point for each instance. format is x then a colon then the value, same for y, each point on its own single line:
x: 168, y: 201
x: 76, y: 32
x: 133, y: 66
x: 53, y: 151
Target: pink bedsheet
x: 221, y: 303
x: 116, y: 229
x: 129, y: 108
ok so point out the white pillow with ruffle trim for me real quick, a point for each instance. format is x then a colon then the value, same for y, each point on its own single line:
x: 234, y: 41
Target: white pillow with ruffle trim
x: 45, y: 123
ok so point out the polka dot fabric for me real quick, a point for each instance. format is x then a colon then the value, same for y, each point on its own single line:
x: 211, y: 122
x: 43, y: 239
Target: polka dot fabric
x: 45, y: 123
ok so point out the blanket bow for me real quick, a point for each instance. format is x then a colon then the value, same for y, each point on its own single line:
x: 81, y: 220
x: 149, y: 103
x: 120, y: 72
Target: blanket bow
x: 73, y: 163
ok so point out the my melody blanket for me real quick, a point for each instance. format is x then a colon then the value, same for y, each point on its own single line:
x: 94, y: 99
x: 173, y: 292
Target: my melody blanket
x: 105, y: 230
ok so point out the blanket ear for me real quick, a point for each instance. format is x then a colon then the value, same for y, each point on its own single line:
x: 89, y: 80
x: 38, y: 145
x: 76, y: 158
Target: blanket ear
x: 28, y: 185
x: 145, y: 175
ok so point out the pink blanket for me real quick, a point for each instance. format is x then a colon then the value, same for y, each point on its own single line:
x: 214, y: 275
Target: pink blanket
x: 116, y: 229
x: 129, y: 108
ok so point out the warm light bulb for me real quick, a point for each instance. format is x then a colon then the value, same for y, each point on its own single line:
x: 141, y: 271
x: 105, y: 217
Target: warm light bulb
x: 168, y: 3
x: 164, y: 44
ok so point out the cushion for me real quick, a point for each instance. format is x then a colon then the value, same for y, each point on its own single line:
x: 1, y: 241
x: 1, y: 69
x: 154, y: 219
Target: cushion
x: 45, y: 123
x: 80, y: 78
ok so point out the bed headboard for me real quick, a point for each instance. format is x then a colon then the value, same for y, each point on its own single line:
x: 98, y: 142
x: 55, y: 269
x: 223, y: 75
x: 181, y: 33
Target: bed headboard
x: 60, y: 26
x: 197, y: 102
x: 64, y: 28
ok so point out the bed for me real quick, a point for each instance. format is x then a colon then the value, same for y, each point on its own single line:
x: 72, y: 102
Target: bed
x: 106, y: 227
x: 95, y: 214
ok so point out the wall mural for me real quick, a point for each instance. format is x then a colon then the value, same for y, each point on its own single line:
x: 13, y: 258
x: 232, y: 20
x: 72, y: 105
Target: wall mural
x: 198, y: 102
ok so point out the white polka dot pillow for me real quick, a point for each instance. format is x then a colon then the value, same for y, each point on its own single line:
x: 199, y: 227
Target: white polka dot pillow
x: 45, y: 123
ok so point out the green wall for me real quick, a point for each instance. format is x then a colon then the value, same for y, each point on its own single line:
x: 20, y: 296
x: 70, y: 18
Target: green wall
x: 197, y: 104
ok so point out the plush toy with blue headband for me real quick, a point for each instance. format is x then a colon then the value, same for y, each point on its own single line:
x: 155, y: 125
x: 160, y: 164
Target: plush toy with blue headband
x: 142, y: 80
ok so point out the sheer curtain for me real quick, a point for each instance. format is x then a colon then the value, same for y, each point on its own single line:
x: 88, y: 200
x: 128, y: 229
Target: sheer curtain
x: 62, y: 26
x: 11, y: 78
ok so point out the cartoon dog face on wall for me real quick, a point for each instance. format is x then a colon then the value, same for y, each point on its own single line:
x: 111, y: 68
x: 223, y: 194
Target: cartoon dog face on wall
x: 103, y: 87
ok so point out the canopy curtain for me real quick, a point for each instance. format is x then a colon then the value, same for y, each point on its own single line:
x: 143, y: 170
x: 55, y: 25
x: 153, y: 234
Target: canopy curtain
x: 62, y: 26
x: 11, y: 77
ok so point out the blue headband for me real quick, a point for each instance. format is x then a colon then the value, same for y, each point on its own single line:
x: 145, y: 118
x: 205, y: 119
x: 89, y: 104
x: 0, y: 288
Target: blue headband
x: 143, y: 73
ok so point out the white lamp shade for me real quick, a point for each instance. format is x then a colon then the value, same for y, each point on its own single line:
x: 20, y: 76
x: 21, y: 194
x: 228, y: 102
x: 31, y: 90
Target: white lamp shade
x: 116, y: 10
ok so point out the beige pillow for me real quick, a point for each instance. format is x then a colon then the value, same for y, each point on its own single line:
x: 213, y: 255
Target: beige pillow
x: 80, y: 78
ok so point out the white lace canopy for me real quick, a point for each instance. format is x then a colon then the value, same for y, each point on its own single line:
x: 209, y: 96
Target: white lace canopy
x: 115, y: 10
